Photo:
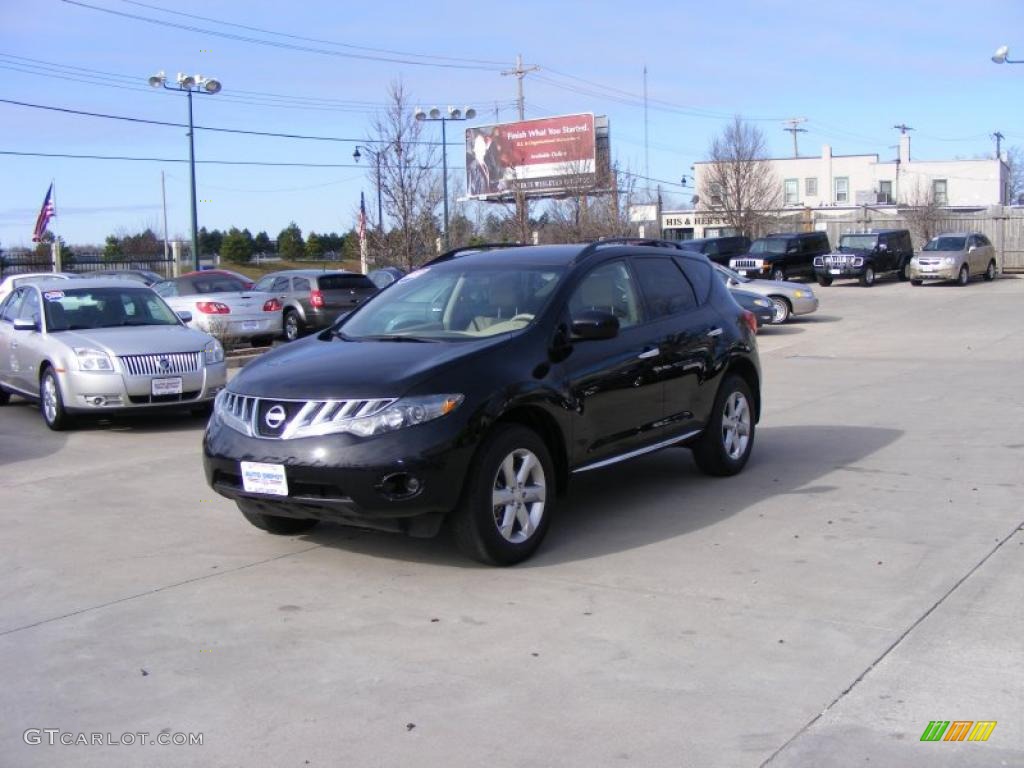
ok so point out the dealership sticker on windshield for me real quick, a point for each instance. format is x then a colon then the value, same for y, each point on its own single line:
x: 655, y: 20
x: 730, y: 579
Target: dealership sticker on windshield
x: 53, y: 295
x: 264, y: 478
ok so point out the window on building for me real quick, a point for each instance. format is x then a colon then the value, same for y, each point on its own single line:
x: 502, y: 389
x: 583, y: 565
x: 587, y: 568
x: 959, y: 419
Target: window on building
x: 716, y: 194
x: 811, y: 186
x: 939, y: 192
x: 842, y: 189
x: 884, y: 193
x: 791, y: 192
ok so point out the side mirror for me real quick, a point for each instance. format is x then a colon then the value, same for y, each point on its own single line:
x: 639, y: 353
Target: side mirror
x: 185, y: 317
x: 883, y: 247
x: 26, y: 325
x: 733, y: 282
x: 972, y: 249
x: 593, y: 325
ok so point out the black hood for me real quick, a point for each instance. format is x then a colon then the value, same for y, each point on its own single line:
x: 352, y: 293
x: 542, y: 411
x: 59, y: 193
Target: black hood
x: 315, y: 369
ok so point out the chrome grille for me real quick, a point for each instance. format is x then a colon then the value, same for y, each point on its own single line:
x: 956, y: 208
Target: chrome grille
x: 158, y: 365
x: 307, y: 417
x: 746, y: 264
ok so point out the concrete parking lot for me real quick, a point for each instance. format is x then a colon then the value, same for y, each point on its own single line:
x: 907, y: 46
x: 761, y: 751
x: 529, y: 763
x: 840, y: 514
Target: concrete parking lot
x: 861, y: 578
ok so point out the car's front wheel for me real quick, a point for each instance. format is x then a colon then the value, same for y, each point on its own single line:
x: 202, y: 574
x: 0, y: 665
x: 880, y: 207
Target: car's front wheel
x: 916, y: 282
x: 963, y: 276
x: 282, y: 526
x: 508, y: 498
x: 5, y: 396
x: 990, y: 271
x: 292, y: 325
x: 824, y: 281
x: 725, y: 445
x: 780, y: 310
x: 867, y: 279
x: 51, y: 403
x: 778, y: 274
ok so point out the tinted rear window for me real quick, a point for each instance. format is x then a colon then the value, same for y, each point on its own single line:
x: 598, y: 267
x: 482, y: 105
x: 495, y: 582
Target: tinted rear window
x: 699, y: 275
x: 346, y: 283
x: 666, y: 289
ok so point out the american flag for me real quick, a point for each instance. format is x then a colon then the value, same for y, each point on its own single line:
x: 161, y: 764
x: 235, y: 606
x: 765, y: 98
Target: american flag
x: 47, y: 212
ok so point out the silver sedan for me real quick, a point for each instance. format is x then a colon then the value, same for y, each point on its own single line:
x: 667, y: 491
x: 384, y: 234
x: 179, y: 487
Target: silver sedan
x: 787, y: 298
x: 222, y: 306
x: 100, y: 345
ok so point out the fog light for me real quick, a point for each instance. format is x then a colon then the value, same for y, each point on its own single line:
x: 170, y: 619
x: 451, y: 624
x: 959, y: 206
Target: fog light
x: 399, y: 485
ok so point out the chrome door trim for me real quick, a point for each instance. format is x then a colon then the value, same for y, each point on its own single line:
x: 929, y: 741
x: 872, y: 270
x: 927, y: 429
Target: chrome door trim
x: 637, y: 452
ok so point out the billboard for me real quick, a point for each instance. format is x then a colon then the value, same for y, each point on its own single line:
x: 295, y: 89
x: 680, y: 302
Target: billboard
x: 544, y: 157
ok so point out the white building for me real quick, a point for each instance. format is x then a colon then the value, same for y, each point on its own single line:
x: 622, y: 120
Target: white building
x: 829, y: 185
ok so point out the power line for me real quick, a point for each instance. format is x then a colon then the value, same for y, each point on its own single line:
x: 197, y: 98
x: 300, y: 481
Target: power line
x: 277, y: 44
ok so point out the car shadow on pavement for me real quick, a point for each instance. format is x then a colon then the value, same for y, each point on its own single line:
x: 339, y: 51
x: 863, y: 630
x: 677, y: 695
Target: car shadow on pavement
x: 13, y: 446
x: 651, y: 499
x: 778, y: 330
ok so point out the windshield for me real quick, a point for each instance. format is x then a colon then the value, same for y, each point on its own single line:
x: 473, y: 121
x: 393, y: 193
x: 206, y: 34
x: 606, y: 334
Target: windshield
x: 770, y: 245
x: 946, y: 244
x: 85, y: 308
x: 857, y: 242
x: 453, y: 303
x: 725, y: 274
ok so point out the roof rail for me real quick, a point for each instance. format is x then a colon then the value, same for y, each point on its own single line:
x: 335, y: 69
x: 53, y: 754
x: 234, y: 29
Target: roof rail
x: 456, y: 252
x: 645, y: 241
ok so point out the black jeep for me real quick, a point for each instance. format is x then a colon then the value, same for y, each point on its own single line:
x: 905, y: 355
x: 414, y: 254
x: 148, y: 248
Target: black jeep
x: 866, y: 255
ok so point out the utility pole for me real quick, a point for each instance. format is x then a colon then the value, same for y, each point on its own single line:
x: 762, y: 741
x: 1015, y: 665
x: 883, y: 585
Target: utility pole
x: 903, y: 128
x: 647, y: 151
x: 793, y: 128
x: 999, y: 144
x: 163, y: 195
x: 522, y: 210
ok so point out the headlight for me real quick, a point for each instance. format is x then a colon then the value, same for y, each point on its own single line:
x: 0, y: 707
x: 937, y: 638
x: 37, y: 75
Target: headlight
x: 858, y: 261
x: 762, y: 303
x: 213, y: 352
x: 819, y: 261
x: 404, y: 413
x: 949, y: 260
x: 93, y: 360
x: 799, y: 294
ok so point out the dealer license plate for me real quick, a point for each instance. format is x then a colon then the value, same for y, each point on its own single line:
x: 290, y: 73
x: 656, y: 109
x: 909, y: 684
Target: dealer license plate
x: 836, y: 271
x: 166, y: 386
x: 264, y: 478
x: 250, y: 325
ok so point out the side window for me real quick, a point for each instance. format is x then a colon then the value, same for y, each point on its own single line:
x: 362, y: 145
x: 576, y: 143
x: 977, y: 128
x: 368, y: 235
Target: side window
x: 665, y: 287
x: 166, y: 289
x: 13, y: 305
x: 711, y: 249
x: 972, y: 241
x: 300, y: 285
x: 280, y: 285
x: 30, y: 309
x: 699, y: 273
x: 982, y: 240
x: 264, y: 284
x: 608, y: 288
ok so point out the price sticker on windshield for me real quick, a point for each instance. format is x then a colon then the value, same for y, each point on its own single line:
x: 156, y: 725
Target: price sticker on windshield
x: 53, y: 295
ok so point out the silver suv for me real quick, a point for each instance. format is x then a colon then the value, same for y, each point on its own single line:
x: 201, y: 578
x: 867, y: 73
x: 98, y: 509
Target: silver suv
x: 312, y: 299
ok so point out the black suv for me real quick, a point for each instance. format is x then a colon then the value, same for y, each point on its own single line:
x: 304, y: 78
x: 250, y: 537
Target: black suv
x: 474, y: 387
x: 782, y: 256
x: 718, y: 249
x: 865, y: 255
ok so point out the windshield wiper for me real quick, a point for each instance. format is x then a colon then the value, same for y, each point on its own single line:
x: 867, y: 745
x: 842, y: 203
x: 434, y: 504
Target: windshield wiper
x: 395, y: 337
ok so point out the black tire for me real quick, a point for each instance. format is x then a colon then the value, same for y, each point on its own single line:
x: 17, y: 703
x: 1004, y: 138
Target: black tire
x: 780, y: 309
x: 824, y: 281
x: 963, y: 277
x: 261, y: 341
x: 5, y: 396
x: 51, y: 402
x: 916, y: 282
x: 474, y: 524
x: 711, y: 452
x: 902, y: 274
x: 292, y: 325
x: 282, y: 526
x: 778, y: 274
x: 867, y: 278
x: 202, y: 411
x: 990, y: 271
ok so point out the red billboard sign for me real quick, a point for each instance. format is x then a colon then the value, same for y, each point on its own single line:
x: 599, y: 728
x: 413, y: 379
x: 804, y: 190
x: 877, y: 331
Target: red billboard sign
x: 541, y: 157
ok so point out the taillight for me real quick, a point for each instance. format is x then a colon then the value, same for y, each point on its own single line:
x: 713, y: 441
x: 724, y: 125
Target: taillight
x: 213, y: 308
x: 273, y: 305
x: 316, y: 298
x: 750, y: 320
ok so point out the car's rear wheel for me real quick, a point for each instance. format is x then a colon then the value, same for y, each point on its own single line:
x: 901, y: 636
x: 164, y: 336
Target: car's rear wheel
x: 990, y: 271
x: 5, y: 396
x: 963, y: 276
x: 867, y: 278
x: 778, y: 274
x: 724, y: 447
x: 780, y: 310
x: 292, y: 325
x: 507, y: 502
x: 51, y: 403
x: 261, y: 341
x: 824, y: 281
x: 282, y: 526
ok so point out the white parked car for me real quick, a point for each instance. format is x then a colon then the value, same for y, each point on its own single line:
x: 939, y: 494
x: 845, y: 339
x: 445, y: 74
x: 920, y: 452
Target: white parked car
x: 11, y: 282
x: 222, y: 306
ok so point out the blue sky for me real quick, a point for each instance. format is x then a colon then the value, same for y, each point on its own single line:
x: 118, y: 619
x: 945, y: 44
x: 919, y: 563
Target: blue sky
x: 853, y: 69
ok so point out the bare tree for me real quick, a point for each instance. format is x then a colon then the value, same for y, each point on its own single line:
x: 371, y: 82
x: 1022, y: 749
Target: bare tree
x: 1015, y: 162
x: 738, y: 180
x: 922, y: 213
x: 409, y: 183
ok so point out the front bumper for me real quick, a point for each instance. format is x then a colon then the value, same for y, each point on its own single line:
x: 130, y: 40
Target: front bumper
x: 804, y: 305
x: 349, y: 479
x: 94, y: 392
x: 941, y: 272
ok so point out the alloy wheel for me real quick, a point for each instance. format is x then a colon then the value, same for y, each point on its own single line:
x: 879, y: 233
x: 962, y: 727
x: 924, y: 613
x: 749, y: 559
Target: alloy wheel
x: 780, y: 310
x: 49, y: 399
x: 518, y: 496
x: 736, y: 425
x: 291, y: 326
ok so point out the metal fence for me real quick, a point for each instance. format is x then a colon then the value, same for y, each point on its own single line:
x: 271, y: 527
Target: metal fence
x: 20, y: 262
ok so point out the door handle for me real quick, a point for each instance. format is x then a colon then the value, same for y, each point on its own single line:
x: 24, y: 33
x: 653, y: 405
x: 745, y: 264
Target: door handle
x: 715, y: 332
x: 647, y: 354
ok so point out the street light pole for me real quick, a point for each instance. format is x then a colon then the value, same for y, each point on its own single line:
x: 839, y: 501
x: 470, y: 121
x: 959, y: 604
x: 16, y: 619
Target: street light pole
x: 434, y: 115
x: 380, y: 199
x: 188, y: 84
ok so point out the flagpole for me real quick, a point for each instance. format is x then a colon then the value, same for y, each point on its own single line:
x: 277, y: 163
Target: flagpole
x: 55, y: 248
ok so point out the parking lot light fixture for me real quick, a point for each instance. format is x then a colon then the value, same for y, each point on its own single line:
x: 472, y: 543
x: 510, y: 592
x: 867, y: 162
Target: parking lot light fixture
x: 1002, y: 56
x: 190, y: 84
x: 434, y: 114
